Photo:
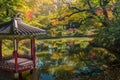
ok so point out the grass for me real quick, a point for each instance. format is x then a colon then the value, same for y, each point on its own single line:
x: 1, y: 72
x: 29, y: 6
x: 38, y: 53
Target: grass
x: 68, y: 39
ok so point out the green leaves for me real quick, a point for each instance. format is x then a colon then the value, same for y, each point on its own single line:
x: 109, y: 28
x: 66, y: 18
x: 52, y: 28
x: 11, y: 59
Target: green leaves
x: 8, y: 9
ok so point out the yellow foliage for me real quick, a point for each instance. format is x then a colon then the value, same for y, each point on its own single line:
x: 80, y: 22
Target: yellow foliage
x: 75, y: 2
x: 55, y: 22
x: 68, y: 68
x: 54, y: 45
x: 55, y: 56
x: 81, y: 54
x: 48, y: 1
x: 65, y: 13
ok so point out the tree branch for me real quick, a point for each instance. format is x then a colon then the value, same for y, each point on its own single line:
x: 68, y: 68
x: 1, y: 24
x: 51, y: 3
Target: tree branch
x: 75, y: 8
x: 92, y: 10
x: 89, y: 4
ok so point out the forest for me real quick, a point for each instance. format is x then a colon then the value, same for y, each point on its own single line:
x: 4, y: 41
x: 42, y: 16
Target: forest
x: 82, y: 39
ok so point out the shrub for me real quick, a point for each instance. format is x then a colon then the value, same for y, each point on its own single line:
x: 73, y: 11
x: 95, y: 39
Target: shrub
x: 108, y: 38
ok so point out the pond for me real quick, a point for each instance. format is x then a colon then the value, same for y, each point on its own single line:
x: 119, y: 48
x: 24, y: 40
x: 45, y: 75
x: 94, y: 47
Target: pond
x: 64, y: 72
x: 69, y: 59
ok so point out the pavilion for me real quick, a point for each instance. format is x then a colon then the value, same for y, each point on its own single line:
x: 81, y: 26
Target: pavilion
x: 16, y: 30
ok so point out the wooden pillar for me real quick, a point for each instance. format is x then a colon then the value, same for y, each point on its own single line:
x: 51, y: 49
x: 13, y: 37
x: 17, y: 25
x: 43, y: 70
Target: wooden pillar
x: 0, y: 49
x: 20, y: 76
x: 35, y: 74
x: 33, y: 50
x: 15, y: 53
x: 16, y: 76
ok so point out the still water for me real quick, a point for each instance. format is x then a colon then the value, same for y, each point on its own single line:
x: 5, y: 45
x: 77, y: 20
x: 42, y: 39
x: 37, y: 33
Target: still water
x: 54, y: 71
x: 71, y: 61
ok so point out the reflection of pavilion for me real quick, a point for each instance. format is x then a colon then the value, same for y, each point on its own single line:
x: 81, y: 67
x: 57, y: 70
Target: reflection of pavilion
x: 16, y: 30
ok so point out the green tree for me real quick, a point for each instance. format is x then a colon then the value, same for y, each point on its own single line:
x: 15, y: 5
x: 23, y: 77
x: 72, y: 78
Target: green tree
x: 9, y: 8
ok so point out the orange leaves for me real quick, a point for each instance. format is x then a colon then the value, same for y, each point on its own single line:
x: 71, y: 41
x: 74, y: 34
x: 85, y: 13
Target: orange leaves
x: 55, y: 22
x: 100, y: 12
x: 29, y: 14
x: 65, y: 13
x: 109, y: 13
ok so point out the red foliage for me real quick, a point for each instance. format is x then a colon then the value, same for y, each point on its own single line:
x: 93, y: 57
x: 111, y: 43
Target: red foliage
x: 71, y: 43
x: 92, y: 55
x: 71, y: 29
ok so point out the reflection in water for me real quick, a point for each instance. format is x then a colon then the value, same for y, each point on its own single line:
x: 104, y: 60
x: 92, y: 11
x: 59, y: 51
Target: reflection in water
x: 45, y: 76
x: 58, y: 73
x: 40, y: 63
x: 52, y: 74
x: 66, y: 63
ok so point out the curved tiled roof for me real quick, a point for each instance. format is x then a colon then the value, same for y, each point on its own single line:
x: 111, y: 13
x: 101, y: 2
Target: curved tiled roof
x: 18, y: 27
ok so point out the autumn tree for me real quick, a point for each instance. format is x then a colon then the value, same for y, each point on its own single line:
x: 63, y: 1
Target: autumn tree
x: 100, y: 10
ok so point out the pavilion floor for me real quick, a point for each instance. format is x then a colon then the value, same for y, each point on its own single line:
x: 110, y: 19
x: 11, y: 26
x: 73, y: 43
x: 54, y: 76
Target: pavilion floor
x: 8, y: 64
